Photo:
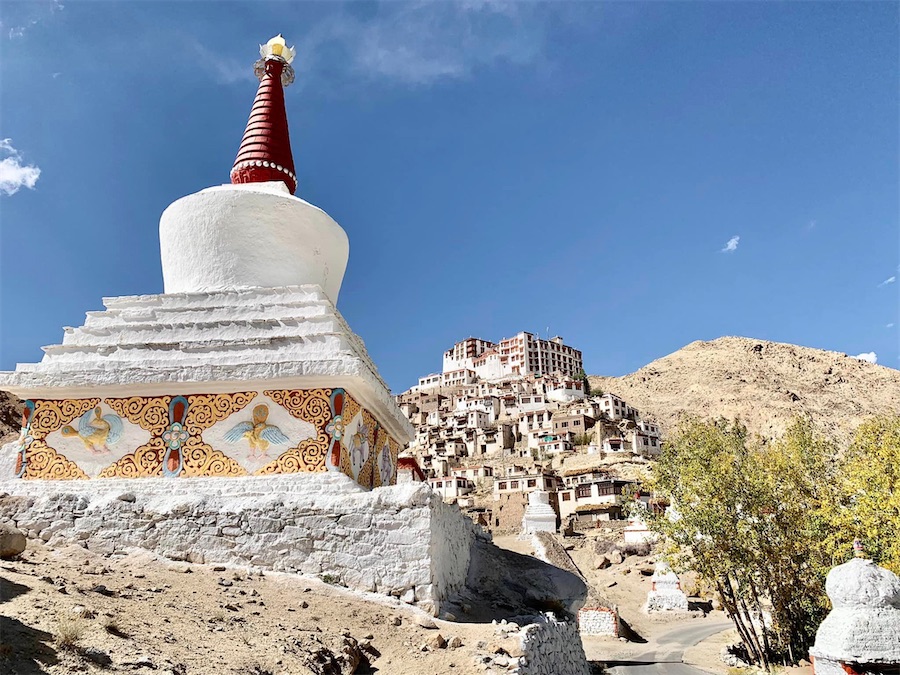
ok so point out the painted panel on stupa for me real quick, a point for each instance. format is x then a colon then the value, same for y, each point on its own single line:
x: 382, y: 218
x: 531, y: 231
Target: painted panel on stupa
x: 235, y: 434
x: 97, y: 438
x: 385, y: 459
x: 260, y: 433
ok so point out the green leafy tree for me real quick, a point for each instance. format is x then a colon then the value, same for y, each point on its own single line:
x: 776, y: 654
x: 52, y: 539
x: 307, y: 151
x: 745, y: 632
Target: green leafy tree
x: 748, y: 516
x: 581, y: 375
x: 866, y: 501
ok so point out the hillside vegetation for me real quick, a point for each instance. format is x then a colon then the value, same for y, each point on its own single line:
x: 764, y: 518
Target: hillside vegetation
x: 765, y: 384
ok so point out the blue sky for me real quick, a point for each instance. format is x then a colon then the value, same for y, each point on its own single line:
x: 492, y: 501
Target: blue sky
x: 577, y: 167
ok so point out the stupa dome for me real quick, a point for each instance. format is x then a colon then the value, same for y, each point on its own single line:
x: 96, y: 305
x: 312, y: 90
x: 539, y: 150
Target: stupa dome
x: 862, y: 583
x: 255, y: 233
x: 864, y: 625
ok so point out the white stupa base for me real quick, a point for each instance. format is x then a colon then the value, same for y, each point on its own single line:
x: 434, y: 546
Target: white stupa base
x: 864, y: 624
x: 401, y: 541
x: 283, y: 352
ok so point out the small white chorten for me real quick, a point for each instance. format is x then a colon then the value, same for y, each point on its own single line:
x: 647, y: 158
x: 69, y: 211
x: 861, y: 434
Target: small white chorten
x: 539, y: 515
x: 665, y: 593
x: 861, y: 634
x: 243, y: 366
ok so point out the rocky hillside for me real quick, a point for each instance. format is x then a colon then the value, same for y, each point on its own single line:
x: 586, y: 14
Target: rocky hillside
x: 10, y: 416
x: 765, y: 384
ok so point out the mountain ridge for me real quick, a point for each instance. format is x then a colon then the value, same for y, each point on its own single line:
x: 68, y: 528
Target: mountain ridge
x: 765, y: 384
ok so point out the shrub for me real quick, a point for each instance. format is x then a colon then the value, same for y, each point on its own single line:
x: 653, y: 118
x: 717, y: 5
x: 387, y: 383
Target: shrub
x: 69, y: 631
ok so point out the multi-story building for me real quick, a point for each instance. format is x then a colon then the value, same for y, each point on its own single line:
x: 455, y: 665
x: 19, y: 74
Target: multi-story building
x: 571, y: 425
x: 615, y: 408
x: 451, y: 487
x: 463, y: 354
x: 527, y: 482
x: 523, y: 354
x: 646, y: 439
x: 598, y: 500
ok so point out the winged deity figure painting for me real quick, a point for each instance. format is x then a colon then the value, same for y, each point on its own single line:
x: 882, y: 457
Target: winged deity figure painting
x: 96, y: 430
x: 359, y: 448
x: 258, y: 434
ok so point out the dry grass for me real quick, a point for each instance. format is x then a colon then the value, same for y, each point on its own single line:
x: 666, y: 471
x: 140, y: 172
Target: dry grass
x: 69, y: 631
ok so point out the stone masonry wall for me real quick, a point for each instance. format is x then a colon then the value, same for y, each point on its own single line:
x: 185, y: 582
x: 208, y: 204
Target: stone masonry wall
x: 598, y: 621
x: 535, y: 645
x: 451, y: 539
x: 402, y: 540
x: 552, y: 648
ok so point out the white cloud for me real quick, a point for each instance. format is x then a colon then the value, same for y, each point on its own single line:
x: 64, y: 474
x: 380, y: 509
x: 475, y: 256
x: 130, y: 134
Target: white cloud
x: 411, y: 44
x: 32, y: 15
x: 887, y: 281
x: 890, y: 325
x: 225, y: 69
x: 871, y: 357
x: 422, y: 42
x: 731, y: 245
x: 13, y: 174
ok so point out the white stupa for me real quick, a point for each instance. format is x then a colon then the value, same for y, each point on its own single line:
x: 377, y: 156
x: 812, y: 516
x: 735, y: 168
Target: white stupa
x: 539, y: 515
x: 862, y: 631
x: 665, y: 593
x: 243, y: 365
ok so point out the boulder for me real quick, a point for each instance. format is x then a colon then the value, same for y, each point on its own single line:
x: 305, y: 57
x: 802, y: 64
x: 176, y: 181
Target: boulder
x: 12, y: 541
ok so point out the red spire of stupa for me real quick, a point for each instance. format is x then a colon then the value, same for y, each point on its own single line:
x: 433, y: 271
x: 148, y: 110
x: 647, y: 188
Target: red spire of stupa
x: 265, y: 152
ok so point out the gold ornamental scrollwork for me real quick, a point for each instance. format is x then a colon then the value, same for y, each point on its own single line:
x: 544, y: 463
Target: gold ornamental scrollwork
x: 308, y: 456
x: 395, y: 455
x: 42, y: 461
x: 49, y: 416
x: 151, y: 414
x: 204, y: 410
x: 45, y: 463
x: 145, y: 462
x: 309, y: 405
x: 199, y: 459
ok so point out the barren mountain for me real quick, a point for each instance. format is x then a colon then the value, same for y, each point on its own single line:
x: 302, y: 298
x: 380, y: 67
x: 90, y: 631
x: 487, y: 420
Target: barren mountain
x: 765, y: 384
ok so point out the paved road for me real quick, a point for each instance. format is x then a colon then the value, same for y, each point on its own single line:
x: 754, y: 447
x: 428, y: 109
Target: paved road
x: 668, y: 650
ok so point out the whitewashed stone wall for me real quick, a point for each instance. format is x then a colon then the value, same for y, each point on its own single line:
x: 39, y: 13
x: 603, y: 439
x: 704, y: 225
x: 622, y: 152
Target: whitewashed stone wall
x: 402, y: 540
x: 598, y: 621
x: 450, y: 543
x: 551, y: 647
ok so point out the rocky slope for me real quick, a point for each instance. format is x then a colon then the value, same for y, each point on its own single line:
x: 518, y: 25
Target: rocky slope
x: 763, y: 383
x: 69, y: 610
x: 10, y: 416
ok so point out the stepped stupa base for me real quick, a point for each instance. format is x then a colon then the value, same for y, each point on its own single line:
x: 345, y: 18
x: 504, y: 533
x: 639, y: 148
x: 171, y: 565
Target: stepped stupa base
x: 256, y: 381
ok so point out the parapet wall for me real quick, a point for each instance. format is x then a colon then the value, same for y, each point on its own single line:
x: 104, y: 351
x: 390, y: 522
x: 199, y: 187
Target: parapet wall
x: 401, y: 540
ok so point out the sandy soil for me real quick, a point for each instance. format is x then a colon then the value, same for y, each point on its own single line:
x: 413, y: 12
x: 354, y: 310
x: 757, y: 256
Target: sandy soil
x: 140, y: 614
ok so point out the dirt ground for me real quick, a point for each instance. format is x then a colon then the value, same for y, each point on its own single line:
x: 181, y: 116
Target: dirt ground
x: 140, y: 614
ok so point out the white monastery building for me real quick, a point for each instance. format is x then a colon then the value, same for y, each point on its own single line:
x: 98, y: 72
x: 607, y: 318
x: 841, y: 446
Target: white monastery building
x: 522, y: 354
